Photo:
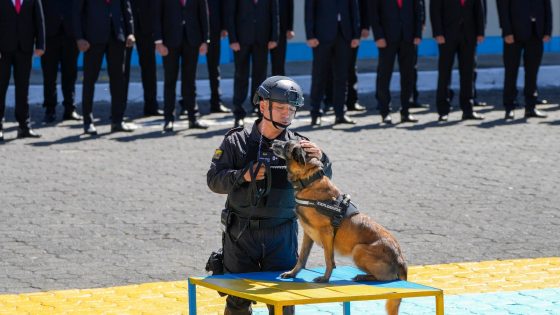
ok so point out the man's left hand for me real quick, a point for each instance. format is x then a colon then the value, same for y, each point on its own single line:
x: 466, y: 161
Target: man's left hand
x: 130, y: 40
x: 312, y: 150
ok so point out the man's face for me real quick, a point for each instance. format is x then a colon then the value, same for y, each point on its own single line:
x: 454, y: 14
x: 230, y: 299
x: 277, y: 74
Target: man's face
x: 282, y: 113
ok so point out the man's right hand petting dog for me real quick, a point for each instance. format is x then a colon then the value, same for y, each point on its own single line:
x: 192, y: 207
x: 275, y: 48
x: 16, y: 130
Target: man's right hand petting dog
x: 329, y: 219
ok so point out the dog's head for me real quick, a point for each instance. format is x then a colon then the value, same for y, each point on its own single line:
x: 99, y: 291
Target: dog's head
x: 299, y: 165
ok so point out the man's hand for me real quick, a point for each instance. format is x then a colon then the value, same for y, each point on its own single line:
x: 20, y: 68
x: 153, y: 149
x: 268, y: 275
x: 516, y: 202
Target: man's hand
x: 272, y: 45
x: 546, y: 38
x: 381, y: 43
x: 365, y: 33
x: 290, y: 34
x: 479, y: 39
x: 235, y: 47
x: 83, y: 45
x: 417, y: 41
x: 223, y: 34
x: 311, y: 149
x: 39, y: 52
x: 259, y: 174
x: 508, y: 39
x: 130, y: 40
x: 440, y: 40
x: 313, y: 42
x: 203, y: 49
x: 355, y: 43
x: 162, y: 49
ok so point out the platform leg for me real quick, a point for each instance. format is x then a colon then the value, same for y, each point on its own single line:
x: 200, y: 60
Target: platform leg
x: 346, y: 308
x: 439, y: 304
x: 192, y: 298
x: 278, y: 309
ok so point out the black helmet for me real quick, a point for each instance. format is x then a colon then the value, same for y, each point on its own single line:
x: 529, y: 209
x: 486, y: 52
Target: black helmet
x: 280, y: 89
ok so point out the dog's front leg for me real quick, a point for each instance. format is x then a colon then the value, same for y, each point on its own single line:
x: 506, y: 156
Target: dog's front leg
x: 328, y: 247
x: 302, y: 260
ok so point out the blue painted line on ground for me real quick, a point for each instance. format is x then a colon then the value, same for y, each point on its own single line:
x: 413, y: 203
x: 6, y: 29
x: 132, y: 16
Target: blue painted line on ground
x: 529, y: 302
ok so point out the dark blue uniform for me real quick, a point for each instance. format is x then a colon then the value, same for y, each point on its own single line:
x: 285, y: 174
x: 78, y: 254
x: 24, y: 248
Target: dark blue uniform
x: 261, y: 237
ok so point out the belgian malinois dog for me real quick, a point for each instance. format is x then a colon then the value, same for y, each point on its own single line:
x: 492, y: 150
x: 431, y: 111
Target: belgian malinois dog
x: 373, y: 249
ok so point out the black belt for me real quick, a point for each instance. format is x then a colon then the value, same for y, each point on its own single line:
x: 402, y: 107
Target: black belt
x: 258, y: 224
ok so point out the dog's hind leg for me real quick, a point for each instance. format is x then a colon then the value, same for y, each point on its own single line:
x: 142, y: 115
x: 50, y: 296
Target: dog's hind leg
x: 376, y: 260
x: 306, y: 246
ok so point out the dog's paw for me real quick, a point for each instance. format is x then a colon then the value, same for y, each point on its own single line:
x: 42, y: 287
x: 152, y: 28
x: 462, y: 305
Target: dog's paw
x: 360, y: 278
x: 321, y: 279
x: 287, y: 275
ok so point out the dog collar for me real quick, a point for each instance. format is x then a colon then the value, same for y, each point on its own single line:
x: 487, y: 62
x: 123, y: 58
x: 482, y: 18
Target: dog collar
x: 302, y: 183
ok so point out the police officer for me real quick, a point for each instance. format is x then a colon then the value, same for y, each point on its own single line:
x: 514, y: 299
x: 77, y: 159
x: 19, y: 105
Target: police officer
x: 261, y: 229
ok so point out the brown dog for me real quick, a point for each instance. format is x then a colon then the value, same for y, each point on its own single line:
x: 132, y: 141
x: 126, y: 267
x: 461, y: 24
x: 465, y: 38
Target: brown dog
x: 373, y: 249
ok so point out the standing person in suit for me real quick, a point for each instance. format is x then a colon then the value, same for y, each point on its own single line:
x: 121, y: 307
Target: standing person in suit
x: 413, y: 101
x: 526, y: 25
x: 143, y: 15
x: 397, y: 28
x: 352, y: 84
x: 477, y: 102
x: 253, y: 30
x: 104, y: 28
x: 216, y: 17
x: 22, y: 32
x: 457, y: 27
x: 181, y: 34
x: 60, y: 51
x: 278, y: 54
x: 332, y: 30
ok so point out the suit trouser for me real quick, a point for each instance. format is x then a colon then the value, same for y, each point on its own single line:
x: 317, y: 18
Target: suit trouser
x: 147, y: 57
x: 532, y: 52
x: 271, y: 249
x: 352, y: 82
x: 278, y: 55
x: 114, y: 51
x: 465, y: 50
x: 21, y: 62
x: 213, y: 64
x: 324, y: 54
x: 405, y: 52
x: 185, y: 57
x: 414, y: 96
x: 60, y: 50
x: 256, y: 56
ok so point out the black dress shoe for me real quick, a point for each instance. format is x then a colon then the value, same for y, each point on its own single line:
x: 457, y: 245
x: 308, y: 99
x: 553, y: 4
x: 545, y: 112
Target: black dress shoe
x: 157, y: 112
x: 197, y: 124
x: 356, y: 107
x: 73, y: 115
x: 1, y: 135
x: 316, y: 121
x: 535, y: 113
x: 238, y: 122
x: 386, y: 119
x: 50, y: 117
x: 89, y: 129
x: 473, y: 116
x: 408, y: 118
x: 541, y: 101
x: 344, y: 120
x: 509, y: 114
x: 479, y: 104
x: 417, y: 105
x: 122, y: 127
x: 443, y: 118
x: 168, y: 126
x: 27, y: 133
x: 220, y: 108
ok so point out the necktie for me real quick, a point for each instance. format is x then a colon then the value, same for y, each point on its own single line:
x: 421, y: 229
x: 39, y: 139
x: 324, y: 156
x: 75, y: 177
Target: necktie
x: 183, y: 2
x: 462, y: 3
x: 399, y: 3
x: 108, y: 1
x: 255, y: 1
x: 18, y: 6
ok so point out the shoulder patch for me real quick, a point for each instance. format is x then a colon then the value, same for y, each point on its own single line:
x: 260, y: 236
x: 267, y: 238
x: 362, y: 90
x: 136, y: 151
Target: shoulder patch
x: 217, y: 154
x: 232, y: 130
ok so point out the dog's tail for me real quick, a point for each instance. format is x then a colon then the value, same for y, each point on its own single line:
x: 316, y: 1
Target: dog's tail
x: 392, y: 306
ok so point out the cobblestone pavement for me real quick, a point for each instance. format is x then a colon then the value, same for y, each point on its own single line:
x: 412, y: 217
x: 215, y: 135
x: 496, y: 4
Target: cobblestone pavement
x: 80, y: 212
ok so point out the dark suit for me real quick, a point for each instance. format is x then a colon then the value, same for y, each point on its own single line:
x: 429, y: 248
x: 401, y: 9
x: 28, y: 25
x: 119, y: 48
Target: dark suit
x: 61, y: 51
x: 105, y: 27
x: 253, y: 26
x: 278, y: 54
x: 19, y: 34
x: 182, y: 30
x: 334, y: 23
x: 414, y: 97
x: 528, y: 22
x: 143, y: 14
x: 216, y: 17
x: 399, y: 27
x: 459, y: 25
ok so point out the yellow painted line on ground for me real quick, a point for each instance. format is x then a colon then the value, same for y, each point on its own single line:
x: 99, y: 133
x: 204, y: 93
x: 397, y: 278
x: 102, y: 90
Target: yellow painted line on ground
x: 171, y: 297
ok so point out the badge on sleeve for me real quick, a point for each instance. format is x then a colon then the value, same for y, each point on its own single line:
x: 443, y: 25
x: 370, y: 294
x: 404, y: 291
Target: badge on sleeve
x: 217, y: 154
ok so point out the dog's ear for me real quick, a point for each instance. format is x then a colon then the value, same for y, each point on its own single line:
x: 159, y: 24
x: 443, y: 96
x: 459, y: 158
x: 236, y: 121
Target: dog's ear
x: 298, y: 155
x: 315, y: 162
